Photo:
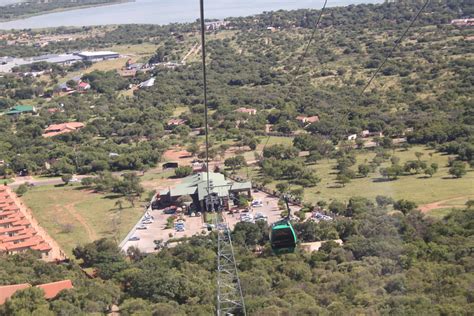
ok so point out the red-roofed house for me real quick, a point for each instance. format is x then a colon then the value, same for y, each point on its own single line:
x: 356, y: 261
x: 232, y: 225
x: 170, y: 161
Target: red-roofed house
x: 83, y: 86
x: 247, y: 111
x: 176, y: 122
x: 308, y: 119
x: 51, y: 290
x: 7, y: 291
x: 58, y: 129
x: 19, y: 231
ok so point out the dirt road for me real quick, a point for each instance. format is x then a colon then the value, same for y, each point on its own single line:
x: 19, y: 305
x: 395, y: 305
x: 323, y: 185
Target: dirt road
x: 443, y: 204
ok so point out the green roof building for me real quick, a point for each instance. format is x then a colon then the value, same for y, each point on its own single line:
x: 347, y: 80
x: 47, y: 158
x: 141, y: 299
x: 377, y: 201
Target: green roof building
x: 196, y: 187
x: 21, y: 109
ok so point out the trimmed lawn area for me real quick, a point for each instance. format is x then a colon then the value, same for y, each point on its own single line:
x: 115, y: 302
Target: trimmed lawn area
x: 73, y: 216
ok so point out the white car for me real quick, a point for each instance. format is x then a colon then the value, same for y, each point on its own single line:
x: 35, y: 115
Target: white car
x: 257, y: 203
x: 142, y: 227
x: 147, y: 222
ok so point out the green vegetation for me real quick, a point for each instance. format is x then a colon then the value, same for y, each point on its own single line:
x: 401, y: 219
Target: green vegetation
x: 394, y: 264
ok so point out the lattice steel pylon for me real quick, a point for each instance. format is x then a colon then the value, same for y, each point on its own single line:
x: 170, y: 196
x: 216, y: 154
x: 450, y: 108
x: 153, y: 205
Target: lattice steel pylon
x: 230, y: 300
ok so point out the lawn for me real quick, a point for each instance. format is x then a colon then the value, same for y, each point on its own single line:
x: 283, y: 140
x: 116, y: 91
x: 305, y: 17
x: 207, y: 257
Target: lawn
x: 413, y: 187
x: 73, y: 216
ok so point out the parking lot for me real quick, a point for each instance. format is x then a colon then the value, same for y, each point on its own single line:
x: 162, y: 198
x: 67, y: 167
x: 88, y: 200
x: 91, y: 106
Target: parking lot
x: 193, y: 225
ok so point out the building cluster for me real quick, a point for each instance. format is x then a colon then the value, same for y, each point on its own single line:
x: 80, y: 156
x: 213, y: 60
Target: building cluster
x: 216, y: 25
x: 7, y: 64
x: 50, y: 290
x: 463, y: 22
x: 17, y: 233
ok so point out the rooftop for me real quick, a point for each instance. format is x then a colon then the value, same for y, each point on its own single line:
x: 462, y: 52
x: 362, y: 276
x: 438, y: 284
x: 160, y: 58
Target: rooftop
x: 197, y: 183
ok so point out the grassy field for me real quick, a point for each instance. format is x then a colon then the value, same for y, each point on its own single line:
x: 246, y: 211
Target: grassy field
x: 417, y: 188
x: 73, y: 216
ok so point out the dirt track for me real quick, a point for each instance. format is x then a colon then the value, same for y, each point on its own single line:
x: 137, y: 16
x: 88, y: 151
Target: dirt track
x: 90, y: 232
x: 441, y: 204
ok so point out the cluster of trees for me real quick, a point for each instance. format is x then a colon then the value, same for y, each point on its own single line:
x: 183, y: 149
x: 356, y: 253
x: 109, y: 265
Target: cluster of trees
x: 129, y: 186
x: 390, y: 263
x: 258, y: 75
x: 281, y: 162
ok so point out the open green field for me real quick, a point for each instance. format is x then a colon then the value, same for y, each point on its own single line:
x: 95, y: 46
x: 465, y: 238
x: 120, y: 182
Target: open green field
x: 73, y: 216
x: 417, y: 188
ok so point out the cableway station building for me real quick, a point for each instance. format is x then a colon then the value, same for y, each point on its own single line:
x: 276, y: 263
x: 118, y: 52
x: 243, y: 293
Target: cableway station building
x: 195, y: 186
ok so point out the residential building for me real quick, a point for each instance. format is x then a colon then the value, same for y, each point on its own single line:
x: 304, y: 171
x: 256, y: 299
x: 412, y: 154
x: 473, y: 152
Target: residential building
x: 249, y: 111
x: 176, y: 122
x: 196, y: 187
x: 58, y: 129
x: 307, y: 119
x: 21, y: 109
x: 147, y: 84
x: 17, y: 233
x: 463, y: 22
x: 51, y: 290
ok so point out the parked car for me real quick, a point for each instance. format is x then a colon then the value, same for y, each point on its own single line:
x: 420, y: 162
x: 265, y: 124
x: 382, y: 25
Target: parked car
x: 261, y: 216
x: 134, y: 238
x: 257, y: 203
x: 147, y: 222
x: 142, y: 227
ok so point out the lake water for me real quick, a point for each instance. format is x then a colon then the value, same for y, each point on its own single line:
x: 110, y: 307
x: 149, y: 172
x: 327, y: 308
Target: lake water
x: 166, y: 11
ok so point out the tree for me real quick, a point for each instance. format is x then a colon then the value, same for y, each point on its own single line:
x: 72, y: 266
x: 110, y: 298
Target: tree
x: 419, y: 155
x: 119, y: 204
x: 458, y: 169
x: 337, y: 207
x: 470, y: 204
x: 66, y: 178
x: 343, y: 179
x: 282, y: 187
x: 404, y: 206
x: 430, y: 172
x: 183, y: 171
x: 236, y: 162
x: 364, y: 170
x: 383, y: 201
x: 27, y: 302
x: 22, y: 189
x: 193, y: 149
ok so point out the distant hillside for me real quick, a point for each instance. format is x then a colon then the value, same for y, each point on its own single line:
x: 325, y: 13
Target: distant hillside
x: 14, y: 9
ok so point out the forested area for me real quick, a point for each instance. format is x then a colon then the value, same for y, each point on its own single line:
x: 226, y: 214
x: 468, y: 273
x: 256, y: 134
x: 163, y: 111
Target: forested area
x: 32, y: 7
x: 397, y: 264
x: 425, y: 87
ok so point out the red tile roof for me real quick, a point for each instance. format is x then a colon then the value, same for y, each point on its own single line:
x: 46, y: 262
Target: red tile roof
x: 16, y: 231
x: 53, y: 289
x: 57, y: 129
x: 7, y: 291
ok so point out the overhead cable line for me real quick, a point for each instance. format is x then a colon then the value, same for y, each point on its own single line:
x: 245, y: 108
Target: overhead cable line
x: 302, y: 58
x: 397, y: 43
x: 229, y: 296
x: 204, y: 79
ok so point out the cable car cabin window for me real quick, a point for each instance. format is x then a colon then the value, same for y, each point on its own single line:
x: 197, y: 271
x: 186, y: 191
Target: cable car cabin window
x: 283, y: 238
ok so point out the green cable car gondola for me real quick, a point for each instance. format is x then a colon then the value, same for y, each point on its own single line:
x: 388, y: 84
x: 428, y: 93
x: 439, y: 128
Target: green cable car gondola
x: 283, y: 237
